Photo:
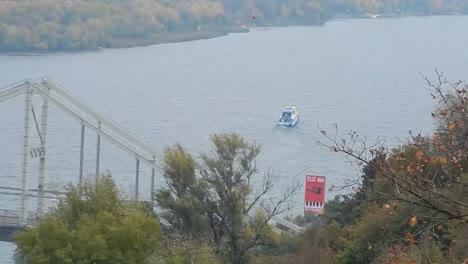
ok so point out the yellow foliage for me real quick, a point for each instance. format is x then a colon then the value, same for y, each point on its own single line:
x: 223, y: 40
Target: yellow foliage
x: 413, y: 221
x: 442, y: 160
x: 452, y: 125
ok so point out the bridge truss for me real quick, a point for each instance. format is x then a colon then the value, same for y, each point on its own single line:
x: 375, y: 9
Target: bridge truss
x: 53, y: 93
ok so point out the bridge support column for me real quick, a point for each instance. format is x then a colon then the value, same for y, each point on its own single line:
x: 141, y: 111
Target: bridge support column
x: 152, y: 184
x: 80, y: 176
x: 137, y: 179
x: 25, y: 165
x: 98, y: 153
x: 42, y: 160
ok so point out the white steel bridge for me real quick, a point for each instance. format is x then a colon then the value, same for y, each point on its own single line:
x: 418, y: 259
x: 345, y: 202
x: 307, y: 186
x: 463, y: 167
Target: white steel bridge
x: 52, y: 93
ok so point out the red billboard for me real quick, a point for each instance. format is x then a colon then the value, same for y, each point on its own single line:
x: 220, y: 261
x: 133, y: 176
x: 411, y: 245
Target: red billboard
x: 314, y: 199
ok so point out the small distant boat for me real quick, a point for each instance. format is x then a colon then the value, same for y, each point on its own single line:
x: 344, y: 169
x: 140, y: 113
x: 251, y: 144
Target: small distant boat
x: 289, y: 117
x: 373, y: 16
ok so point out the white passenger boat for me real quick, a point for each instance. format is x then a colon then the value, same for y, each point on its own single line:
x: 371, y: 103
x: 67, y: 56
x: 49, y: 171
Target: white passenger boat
x: 289, y: 117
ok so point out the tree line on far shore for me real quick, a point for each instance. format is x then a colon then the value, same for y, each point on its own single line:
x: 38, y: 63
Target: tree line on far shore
x: 48, y: 25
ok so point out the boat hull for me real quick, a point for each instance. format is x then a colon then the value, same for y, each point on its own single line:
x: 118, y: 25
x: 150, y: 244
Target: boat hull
x: 290, y: 123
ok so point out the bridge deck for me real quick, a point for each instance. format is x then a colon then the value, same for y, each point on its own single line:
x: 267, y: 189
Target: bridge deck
x: 11, y: 218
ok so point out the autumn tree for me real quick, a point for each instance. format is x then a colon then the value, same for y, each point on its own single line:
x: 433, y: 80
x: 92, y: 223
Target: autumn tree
x: 47, y: 25
x: 216, y: 199
x: 182, y: 249
x: 98, y: 227
x: 424, y: 182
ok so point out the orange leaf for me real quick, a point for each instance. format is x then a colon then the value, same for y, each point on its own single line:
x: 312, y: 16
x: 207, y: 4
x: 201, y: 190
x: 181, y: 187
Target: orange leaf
x: 410, y: 238
x: 431, y: 161
x: 411, y: 262
x: 419, y: 154
x: 413, y: 221
x: 451, y: 125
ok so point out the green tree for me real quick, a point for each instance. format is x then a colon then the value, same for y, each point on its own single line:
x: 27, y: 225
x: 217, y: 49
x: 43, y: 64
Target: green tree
x: 97, y: 227
x: 181, y: 249
x: 183, y: 199
x: 314, y: 247
x: 220, y: 197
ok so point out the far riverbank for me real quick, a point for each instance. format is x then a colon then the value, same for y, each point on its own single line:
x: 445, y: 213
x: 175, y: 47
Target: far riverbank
x: 208, y: 33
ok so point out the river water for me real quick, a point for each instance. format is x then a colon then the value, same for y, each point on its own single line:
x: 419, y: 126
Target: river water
x: 361, y: 74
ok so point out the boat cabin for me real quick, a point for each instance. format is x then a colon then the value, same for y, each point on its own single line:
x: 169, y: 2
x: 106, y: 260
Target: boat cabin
x: 289, y: 112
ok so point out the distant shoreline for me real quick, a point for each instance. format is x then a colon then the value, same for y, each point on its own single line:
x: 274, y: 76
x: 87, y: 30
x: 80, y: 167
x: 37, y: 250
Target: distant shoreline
x: 178, y: 37
x: 160, y: 38
x: 389, y: 15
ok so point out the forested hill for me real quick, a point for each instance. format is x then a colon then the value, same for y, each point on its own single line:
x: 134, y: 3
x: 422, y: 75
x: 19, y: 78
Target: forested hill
x: 27, y: 25
x: 49, y: 25
x: 398, y: 7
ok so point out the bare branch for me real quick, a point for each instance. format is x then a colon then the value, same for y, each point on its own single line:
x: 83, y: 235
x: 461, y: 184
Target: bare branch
x: 269, y: 180
x: 401, y: 183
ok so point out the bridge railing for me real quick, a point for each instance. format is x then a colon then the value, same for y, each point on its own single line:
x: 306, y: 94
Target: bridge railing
x: 11, y: 218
